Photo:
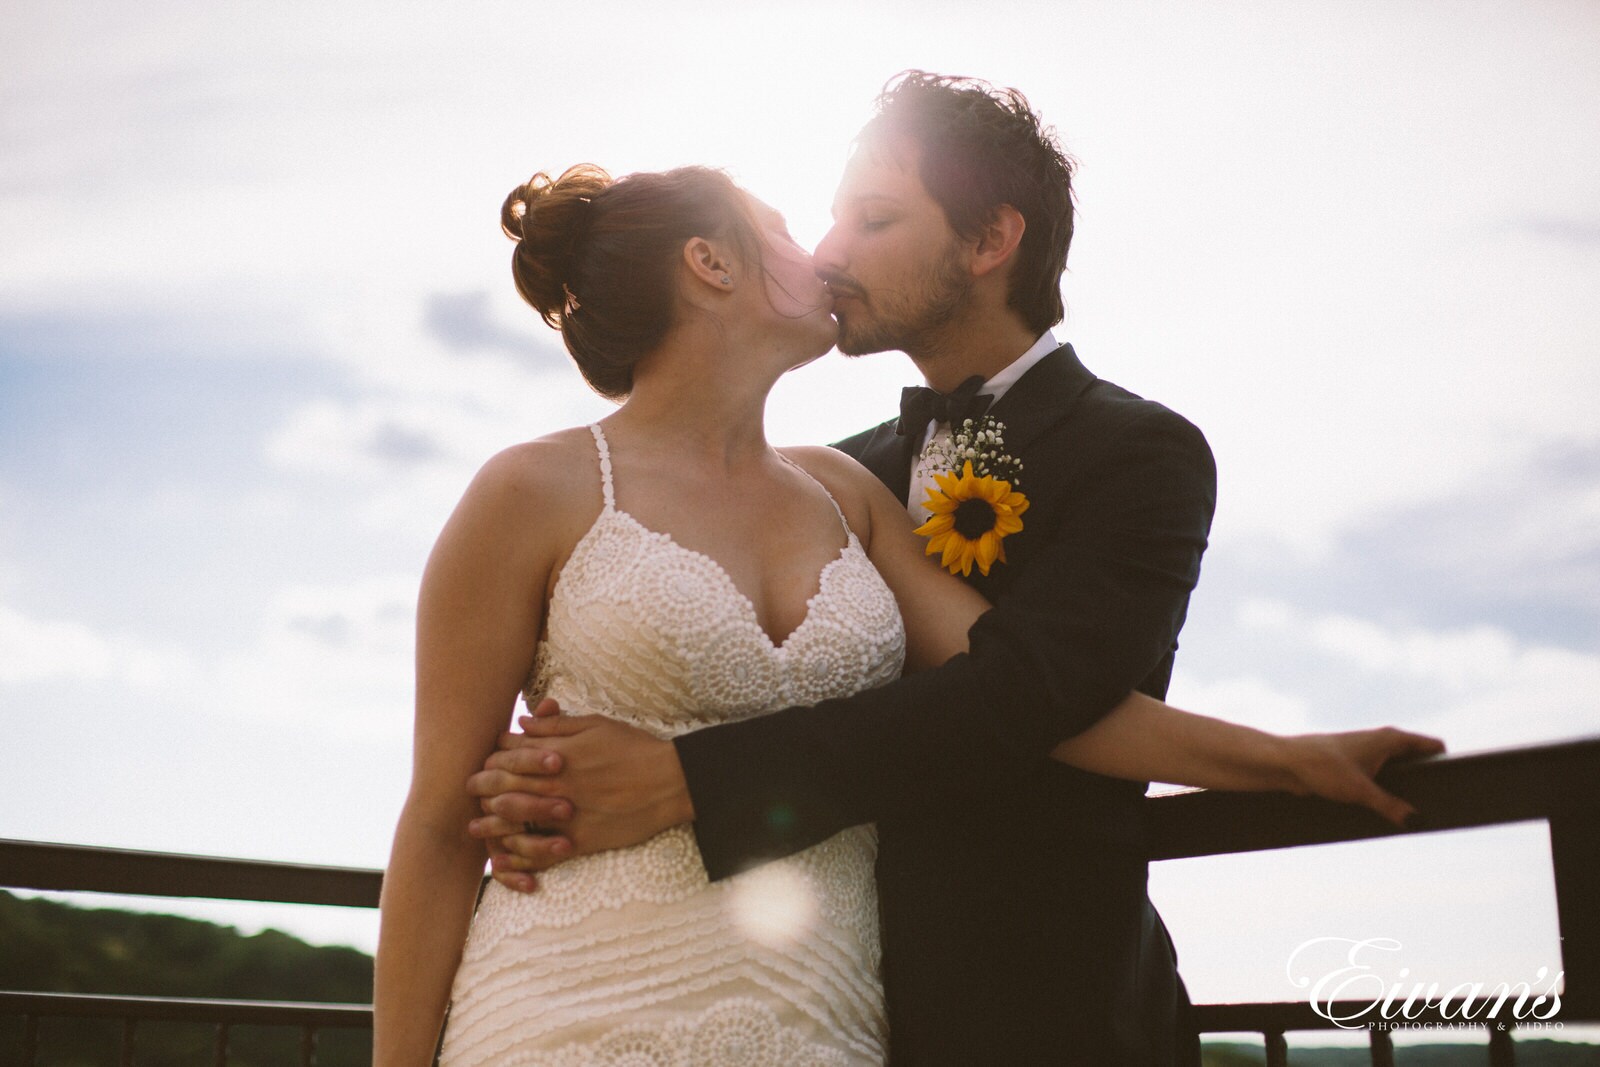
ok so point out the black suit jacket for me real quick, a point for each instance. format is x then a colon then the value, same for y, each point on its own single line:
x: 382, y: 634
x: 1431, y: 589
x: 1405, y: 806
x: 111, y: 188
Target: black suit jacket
x: 1016, y: 925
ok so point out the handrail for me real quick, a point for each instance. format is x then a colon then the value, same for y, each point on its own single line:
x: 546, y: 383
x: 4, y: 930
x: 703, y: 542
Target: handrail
x: 48, y: 866
x: 1452, y: 792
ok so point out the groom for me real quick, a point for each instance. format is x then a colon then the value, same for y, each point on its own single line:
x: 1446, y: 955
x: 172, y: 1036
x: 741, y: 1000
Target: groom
x: 1016, y: 925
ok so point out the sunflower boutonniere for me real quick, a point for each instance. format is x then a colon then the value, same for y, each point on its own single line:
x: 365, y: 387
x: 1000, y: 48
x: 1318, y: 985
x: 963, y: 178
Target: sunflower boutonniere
x: 976, y: 505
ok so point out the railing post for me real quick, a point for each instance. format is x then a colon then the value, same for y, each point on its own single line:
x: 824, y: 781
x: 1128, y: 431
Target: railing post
x: 219, y: 1057
x: 1575, y: 859
x: 1277, y: 1049
x: 1382, y: 1047
x: 129, y: 1027
x: 1502, y: 1053
x: 308, y: 1047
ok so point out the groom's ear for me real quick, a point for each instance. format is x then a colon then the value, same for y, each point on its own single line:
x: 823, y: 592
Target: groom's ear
x: 709, y: 267
x: 998, y: 241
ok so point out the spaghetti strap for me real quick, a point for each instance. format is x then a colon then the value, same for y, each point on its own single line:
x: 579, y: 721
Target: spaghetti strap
x: 837, y: 510
x: 600, y: 445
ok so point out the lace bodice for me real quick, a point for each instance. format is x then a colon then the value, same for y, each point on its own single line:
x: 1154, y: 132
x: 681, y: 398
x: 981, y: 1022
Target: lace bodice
x: 643, y: 630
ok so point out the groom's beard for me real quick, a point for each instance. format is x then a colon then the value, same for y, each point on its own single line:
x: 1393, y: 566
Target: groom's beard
x: 906, y: 319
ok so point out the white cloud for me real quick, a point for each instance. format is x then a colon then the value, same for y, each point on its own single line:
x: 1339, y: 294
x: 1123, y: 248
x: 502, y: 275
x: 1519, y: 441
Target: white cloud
x: 417, y: 399
x: 1235, y: 933
x: 338, y: 656
x: 363, y: 438
x: 1478, y: 687
x: 34, y: 649
x: 1243, y: 699
x: 399, y: 456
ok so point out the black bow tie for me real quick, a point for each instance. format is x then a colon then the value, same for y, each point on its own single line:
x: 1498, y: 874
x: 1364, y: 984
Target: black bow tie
x: 920, y: 405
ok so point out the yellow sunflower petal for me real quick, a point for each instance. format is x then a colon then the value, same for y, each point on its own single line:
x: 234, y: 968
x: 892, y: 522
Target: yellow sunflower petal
x: 954, y: 546
x: 1005, y: 525
x: 936, y: 525
x: 988, y: 548
x: 937, y: 502
x: 992, y: 491
x: 950, y: 482
x: 936, y: 544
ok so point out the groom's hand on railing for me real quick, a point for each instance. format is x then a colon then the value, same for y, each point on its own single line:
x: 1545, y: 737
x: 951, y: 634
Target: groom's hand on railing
x: 583, y: 783
x: 1343, y: 766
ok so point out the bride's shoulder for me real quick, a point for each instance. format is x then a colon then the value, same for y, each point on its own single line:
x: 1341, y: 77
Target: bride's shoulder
x: 820, y: 460
x: 556, y: 473
x: 824, y: 463
x: 856, y: 489
x: 525, y: 508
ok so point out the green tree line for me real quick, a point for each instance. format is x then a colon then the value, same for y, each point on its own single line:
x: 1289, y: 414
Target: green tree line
x: 49, y: 947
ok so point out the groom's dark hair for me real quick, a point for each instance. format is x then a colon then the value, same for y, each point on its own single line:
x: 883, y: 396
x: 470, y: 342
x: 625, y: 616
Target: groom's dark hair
x: 981, y: 147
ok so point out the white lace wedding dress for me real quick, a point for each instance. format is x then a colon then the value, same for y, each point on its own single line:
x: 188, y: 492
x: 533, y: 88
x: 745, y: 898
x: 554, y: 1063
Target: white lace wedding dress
x: 632, y: 957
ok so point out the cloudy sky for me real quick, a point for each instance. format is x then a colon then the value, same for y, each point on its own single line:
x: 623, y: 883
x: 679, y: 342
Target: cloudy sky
x: 257, y: 331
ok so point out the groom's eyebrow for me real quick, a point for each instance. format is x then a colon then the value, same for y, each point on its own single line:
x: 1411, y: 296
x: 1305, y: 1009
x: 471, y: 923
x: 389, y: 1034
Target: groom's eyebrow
x: 863, y: 198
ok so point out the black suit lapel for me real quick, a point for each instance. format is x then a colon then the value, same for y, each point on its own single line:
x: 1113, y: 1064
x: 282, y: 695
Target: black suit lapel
x: 1040, y: 397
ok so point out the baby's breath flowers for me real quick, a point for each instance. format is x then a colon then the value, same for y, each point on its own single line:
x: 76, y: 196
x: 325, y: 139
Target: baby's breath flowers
x: 979, y: 441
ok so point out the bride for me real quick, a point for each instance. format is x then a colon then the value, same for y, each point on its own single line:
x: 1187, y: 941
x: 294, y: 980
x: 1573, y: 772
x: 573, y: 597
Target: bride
x: 669, y: 568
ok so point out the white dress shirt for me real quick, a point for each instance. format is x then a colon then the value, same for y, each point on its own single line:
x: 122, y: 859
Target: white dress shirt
x: 921, y: 481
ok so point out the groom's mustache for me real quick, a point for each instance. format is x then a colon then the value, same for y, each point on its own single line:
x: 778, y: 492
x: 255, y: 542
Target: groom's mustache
x: 841, y: 284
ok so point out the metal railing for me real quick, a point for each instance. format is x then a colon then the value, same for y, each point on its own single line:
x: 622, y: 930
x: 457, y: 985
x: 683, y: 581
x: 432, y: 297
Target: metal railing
x: 40, y: 866
x: 1554, y: 783
x: 1545, y: 782
x: 223, y: 1015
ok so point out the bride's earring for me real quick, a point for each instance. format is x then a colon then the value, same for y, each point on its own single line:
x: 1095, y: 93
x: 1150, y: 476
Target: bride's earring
x: 726, y: 280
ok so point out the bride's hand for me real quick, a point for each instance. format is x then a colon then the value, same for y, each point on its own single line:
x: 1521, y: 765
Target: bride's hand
x: 1342, y: 766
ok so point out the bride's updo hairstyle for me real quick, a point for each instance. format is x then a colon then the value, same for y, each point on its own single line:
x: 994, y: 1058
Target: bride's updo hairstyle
x: 598, y: 258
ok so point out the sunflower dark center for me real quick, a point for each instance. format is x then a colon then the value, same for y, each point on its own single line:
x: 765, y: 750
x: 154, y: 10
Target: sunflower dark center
x: 974, y: 518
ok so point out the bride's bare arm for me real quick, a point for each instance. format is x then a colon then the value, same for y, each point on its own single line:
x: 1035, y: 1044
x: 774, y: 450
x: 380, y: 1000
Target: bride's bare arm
x: 1142, y: 739
x: 478, y: 617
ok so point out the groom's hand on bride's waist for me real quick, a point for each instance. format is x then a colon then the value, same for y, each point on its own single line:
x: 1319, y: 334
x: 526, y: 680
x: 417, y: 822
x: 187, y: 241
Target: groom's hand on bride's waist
x: 570, y: 785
